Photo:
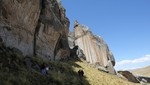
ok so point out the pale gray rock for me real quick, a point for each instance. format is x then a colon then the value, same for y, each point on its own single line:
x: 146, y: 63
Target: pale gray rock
x: 103, y: 69
x: 110, y: 67
x: 94, y: 47
x: 71, y: 39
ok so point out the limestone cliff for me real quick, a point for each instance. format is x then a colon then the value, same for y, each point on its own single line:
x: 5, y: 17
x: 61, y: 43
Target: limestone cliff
x: 94, y: 48
x: 36, y: 27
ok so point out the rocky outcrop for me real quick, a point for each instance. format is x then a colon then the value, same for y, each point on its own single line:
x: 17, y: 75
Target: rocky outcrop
x: 36, y: 27
x: 127, y: 76
x: 94, y: 48
x: 143, y: 79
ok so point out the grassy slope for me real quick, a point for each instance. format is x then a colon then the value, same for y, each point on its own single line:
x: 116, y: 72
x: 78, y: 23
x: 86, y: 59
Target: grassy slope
x: 96, y: 77
x: 142, y: 71
x: 14, y: 71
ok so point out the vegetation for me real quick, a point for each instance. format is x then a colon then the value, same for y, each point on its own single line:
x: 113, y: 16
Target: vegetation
x: 15, y: 69
x: 96, y: 77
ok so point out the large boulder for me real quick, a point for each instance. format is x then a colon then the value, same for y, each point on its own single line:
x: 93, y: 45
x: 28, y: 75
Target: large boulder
x: 128, y: 76
x: 110, y: 67
x: 36, y: 27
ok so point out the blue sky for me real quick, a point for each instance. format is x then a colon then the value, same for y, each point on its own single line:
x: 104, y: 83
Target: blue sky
x: 123, y: 24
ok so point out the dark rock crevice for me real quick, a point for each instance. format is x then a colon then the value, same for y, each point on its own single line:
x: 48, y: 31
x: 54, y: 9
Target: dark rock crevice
x: 42, y: 12
x: 57, y: 46
x: 35, y: 37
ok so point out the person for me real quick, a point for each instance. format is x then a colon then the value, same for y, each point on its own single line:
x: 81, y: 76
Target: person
x: 81, y: 73
x: 44, y: 69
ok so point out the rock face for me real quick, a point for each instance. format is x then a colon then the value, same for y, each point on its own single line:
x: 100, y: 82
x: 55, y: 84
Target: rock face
x: 94, y: 48
x: 36, y: 27
x: 71, y: 39
x: 128, y: 76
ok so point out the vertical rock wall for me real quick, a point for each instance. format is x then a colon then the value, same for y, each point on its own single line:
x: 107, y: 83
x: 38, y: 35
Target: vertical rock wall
x: 18, y: 19
x: 94, y: 47
x: 37, y: 27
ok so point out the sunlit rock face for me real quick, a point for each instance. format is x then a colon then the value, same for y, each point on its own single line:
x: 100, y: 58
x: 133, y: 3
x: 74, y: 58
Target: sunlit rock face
x: 127, y: 76
x: 36, y: 27
x: 94, y: 48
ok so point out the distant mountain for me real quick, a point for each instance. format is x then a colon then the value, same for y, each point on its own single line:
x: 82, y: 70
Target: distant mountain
x: 142, y: 71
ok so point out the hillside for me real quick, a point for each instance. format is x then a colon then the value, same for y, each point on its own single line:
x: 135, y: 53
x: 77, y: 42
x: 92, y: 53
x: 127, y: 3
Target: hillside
x: 96, y: 77
x: 32, y: 39
x: 142, y: 71
x: 15, y: 69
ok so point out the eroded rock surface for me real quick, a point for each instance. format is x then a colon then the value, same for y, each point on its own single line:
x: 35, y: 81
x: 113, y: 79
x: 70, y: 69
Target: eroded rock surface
x: 36, y: 27
x: 94, y: 48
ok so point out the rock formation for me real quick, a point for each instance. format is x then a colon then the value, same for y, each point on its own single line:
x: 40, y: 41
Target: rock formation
x: 71, y: 39
x: 94, y: 48
x: 143, y: 79
x: 127, y: 76
x: 40, y: 27
x: 36, y: 27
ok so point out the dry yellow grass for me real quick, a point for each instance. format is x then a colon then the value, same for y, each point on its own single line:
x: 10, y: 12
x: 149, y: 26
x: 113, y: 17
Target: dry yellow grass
x: 96, y: 77
x: 142, y: 71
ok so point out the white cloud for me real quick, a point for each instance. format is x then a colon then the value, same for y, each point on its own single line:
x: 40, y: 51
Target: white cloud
x: 138, y: 60
x: 134, y: 63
